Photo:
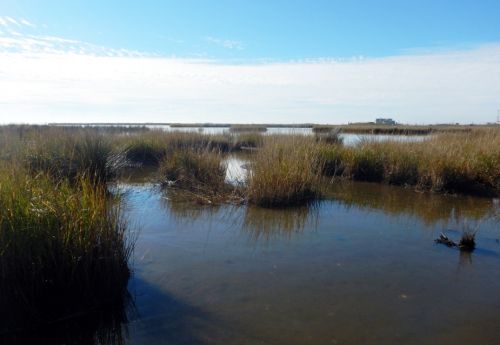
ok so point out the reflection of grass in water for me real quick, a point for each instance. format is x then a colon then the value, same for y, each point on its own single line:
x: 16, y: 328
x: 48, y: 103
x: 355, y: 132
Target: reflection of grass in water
x: 429, y: 208
x: 266, y: 223
x: 181, y: 205
x: 260, y: 223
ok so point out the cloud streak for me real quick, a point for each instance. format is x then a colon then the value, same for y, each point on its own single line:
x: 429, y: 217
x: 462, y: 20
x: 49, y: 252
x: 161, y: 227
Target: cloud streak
x: 52, y: 79
x: 18, y: 37
x: 6, y: 21
x: 228, y: 44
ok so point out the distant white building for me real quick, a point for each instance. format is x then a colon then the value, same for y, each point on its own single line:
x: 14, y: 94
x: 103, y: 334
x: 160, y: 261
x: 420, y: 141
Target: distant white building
x: 382, y: 121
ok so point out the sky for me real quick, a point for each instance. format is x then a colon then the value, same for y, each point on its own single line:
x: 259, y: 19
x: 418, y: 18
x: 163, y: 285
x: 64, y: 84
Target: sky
x: 249, y: 61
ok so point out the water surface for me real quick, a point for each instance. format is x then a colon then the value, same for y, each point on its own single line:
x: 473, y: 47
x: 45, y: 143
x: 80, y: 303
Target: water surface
x: 359, y: 268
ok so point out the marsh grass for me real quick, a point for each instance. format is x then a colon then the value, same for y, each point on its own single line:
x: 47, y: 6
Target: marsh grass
x: 191, y: 140
x: 286, y: 171
x: 66, y: 155
x: 248, y: 128
x: 330, y: 136
x: 200, y: 175
x: 452, y: 162
x: 372, y: 128
x: 467, y: 241
x: 63, y: 248
x: 244, y: 141
x: 194, y: 169
x: 150, y: 148
x: 144, y: 149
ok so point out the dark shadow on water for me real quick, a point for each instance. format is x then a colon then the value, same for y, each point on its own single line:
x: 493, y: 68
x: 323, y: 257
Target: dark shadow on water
x: 164, y: 319
x: 105, y: 326
x: 150, y: 317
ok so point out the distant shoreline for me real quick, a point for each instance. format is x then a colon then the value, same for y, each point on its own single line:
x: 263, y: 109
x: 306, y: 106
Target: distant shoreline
x: 353, y: 128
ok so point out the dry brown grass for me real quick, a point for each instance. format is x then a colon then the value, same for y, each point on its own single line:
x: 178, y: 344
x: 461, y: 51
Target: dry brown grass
x: 200, y: 176
x: 448, y: 162
x: 400, y: 129
x: 286, y: 171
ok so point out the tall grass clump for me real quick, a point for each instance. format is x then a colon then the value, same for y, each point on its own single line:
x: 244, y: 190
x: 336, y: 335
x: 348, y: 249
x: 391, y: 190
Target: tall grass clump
x: 244, y: 141
x: 144, y: 149
x: 330, y: 136
x: 63, y: 248
x: 198, y: 141
x: 200, y: 172
x: 63, y: 154
x: 285, y: 172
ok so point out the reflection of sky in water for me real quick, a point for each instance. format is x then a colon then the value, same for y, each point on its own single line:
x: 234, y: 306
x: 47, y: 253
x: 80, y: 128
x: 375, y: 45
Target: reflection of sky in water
x: 362, y: 268
x: 236, y: 169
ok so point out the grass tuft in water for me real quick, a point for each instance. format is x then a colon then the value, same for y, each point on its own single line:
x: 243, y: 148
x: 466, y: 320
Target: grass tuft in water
x: 467, y: 241
x: 199, y: 174
x: 285, y: 172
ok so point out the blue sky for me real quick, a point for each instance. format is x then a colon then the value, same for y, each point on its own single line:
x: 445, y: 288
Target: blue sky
x: 204, y: 54
x: 259, y: 29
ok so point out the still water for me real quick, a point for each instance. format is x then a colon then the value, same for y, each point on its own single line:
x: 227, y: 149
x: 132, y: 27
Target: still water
x: 358, y: 268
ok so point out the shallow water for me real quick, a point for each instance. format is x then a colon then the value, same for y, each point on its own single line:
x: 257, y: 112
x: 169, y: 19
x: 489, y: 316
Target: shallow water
x: 359, y: 268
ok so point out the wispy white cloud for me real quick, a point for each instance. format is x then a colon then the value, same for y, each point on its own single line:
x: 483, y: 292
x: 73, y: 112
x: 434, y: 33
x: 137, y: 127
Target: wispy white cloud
x: 12, y: 21
x: 228, y: 44
x: 22, y: 40
x: 27, y: 23
x: 7, y: 21
x: 46, y: 79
